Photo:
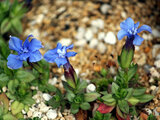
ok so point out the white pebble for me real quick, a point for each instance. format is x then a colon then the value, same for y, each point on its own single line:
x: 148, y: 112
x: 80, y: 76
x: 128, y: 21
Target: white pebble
x: 29, y: 113
x: 4, y: 89
x: 47, y: 96
x: 99, y: 23
x: 154, y: 72
x: 93, y: 43
x: 137, y: 48
x: 52, y: 81
x: 101, y: 35
x: 44, y: 118
x: 37, y: 114
x: 65, y: 41
x: 110, y: 38
x: 155, y: 33
x: 51, y: 114
x: 157, y: 63
x: 123, y: 14
x: 104, y: 8
x: 101, y: 48
x: 89, y: 34
x: 153, y: 87
x: 91, y: 88
x: 80, y: 43
x: 43, y: 107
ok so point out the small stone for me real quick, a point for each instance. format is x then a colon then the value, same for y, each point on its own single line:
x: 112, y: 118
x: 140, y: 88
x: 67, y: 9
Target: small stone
x: 44, y: 118
x: 154, y: 72
x: 80, y: 43
x: 157, y: 63
x: 4, y: 89
x: 80, y: 33
x: 91, y: 88
x: 151, y: 80
x: 123, y: 14
x: 153, y: 87
x: 156, y: 113
x: 148, y: 111
x: 39, y: 18
x: 69, y: 117
x: 137, y: 48
x: 37, y: 114
x: 51, y: 114
x: 93, y: 43
x: 29, y: 113
x: 63, y: 78
x: 101, y: 35
x: 43, y: 108
x: 23, y: 112
x: 110, y: 38
x: 104, y: 8
x: 52, y: 81
x: 155, y: 33
x: 65, y: 41
x: 158, y: 109
x: 98, y: 23
x: 101, y: 48
x: 89, y: 34
x: 47, y: 96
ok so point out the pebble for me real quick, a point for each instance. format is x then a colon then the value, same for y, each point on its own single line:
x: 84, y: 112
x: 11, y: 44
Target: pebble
x: 4, y: 89
x: 157, y: 63
x: 43, y: 108
x: 155, y: 33
x: 93, y: 43
x: 110, y: 38
x: 80, y: 33
x: 91, y: 88
x: 52, y: 81
x: 148, y: 111
x: 37, y: 114
x: 47, y: 96
x: 154, y: 72
x: 88, y: 35
x: 101, y: 48
x: 51, y: 114
x: 123, y: 14
x: 65, y: 41
x: 104, y: 8
x: 155, y: 49
x: 29, y: 113
x: 44, y: 118
x: 153, y: 87
x: 39, y: 18
x: 80, y: 43
x: 158, y: 57
x: 101, y: 35
x: 156, y: 113
x: 98, y: 23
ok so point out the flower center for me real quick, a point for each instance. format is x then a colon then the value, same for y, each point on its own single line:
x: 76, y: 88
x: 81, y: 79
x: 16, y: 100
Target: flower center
x: 25, y: 50
x: 61, y: 52
x: 133, y: 31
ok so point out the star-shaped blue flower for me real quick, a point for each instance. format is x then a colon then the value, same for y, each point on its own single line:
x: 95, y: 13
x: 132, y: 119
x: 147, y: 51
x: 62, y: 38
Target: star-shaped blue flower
x: 26, y: 51
x: 59, y: 55
x: 131, y: 30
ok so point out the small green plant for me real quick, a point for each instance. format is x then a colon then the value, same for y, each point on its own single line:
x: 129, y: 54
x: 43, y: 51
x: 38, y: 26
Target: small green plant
x: 100, y: 116
x: 10, y: 16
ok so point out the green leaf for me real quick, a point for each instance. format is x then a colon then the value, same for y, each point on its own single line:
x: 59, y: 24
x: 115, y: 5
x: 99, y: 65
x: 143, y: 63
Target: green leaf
x: 107, y: 116
x: 132, y: 111
x: 132, y: 71
x: 81, y: 85
x: 16, y: 107
x: 108, y: 98
x: 5, y: 26
x: 85, y: 106
x: 12, y: 85
x: 8, y: 116
x: 74, y: 108
x: 89, y: 97
x: 103, y: 72
x: 28, y: 100
x: 70, y: 95
x: 98, y: 116
x: 130, y: 93
x: 114, y: 87
x: 52, y: 102
x: 139, y: 91
x: 151, y: 117
x: 133, y: 101
x: 51, y: 88
x: 123, y: 105
x: 17, y: 25
x: 3, y: 80
x: 24, y: 76
x: 144, y: 98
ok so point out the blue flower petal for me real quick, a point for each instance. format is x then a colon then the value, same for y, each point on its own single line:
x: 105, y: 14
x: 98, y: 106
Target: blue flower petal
x: 26, y: 42
x: 24, y: 56
x: 61, y: 61
x: 121, y: 34
x: 14, y: 62
x: 71, y: 54
x: 59, y: 46
x: 70, y: 47
x: 35, y: 56
x: 127, y: 24
x: 35, y: 45
x: 15, y: 44
x: 137, y: 40
x: 144, y: 27
x: 51, y: 55
x: 136, y: 25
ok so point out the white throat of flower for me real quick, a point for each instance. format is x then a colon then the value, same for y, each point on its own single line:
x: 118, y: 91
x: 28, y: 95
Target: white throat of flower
x: 133, y: 31
x: 62, y: 52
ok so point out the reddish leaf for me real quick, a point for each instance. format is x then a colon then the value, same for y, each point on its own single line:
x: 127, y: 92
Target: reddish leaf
x: 143, y: 116
x: 103, y: 108
x: 119, y: 118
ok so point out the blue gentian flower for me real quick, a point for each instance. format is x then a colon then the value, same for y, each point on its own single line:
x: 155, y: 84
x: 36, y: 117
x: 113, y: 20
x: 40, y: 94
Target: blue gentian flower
x: 59, y: 55
x: 131, y: 30
x: 27, y: 51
